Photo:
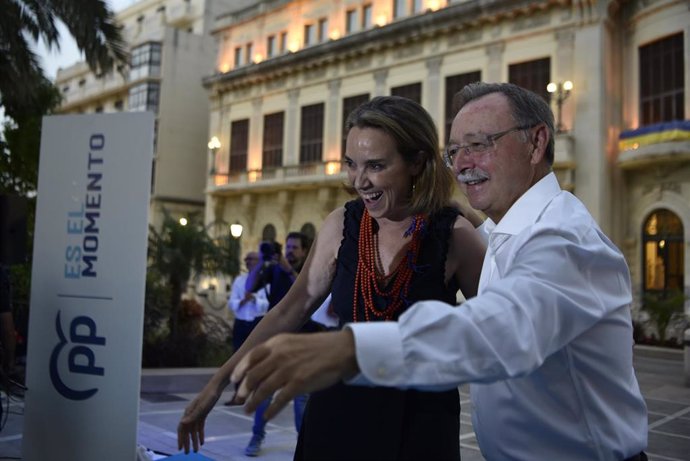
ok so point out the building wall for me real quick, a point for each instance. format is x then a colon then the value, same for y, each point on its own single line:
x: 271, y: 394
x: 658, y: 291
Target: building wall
x: 369, y: 66
x: 188, y: 53
x: 661, y: 180
x: 593, y: 44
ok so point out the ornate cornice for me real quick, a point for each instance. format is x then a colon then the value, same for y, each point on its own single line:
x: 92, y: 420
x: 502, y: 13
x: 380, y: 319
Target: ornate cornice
x: 453, y: 19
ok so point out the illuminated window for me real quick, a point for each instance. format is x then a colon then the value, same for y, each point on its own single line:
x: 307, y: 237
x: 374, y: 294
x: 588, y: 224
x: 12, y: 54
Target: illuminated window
x: 662, y: 80
x: 272, y: 154
x: 663, y: 255
x: 351, y: 21
x: 399, y: 9
x: 144, y: 97
x: 309, y: 34
x: 145, y: 61
x: 239, y: 145
x: 455, y: 83
x: 309, y: 230
x: 311, y: 134
x: 350, y: 104
x: 268, y: 234
x: 412, y: 91
x: 366, y: 16
x: 534, y: 75
x: 271, y: 46
x: 249, y: 52
x: 282, y: 46
x: 323, y: 29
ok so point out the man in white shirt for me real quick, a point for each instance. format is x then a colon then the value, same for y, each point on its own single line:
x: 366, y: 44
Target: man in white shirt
x: 546, y: 344
x: 247, y: 307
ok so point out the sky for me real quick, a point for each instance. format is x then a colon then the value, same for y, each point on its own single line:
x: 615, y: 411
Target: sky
x: 68, y: 54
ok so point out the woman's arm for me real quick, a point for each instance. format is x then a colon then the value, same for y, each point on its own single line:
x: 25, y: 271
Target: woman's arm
x: 307, y: 293
x: 466, y: 256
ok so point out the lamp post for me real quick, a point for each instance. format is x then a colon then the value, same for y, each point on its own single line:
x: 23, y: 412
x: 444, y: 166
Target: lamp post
x: 561, y: 91
x: 213, y: 146
x: 234, y: 248
x: 236, y: 230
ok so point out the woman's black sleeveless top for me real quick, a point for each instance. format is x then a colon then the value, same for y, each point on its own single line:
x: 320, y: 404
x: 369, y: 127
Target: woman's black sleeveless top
x: 376, y: 423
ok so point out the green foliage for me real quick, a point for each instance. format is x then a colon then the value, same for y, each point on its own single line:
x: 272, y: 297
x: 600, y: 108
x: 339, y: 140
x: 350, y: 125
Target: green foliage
x: 662, y: 308
x: 90, y: 22
x: 19, y: 152
x: 176, y: 331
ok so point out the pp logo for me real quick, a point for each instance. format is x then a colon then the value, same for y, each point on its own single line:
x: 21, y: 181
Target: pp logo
x: 81, y: 358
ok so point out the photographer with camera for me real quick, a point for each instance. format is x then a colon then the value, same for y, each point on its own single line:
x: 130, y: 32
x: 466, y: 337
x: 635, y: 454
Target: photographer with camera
x: 279, y: 273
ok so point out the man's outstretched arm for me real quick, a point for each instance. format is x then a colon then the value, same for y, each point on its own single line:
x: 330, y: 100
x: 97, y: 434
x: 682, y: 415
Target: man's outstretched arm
x: 294, y: 364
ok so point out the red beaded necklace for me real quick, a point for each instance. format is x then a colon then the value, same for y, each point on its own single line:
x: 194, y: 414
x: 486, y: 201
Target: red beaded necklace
x: 369, y: 279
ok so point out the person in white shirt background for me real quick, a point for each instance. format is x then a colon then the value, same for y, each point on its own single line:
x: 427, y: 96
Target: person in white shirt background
x: 547, y: 342
x: 247, y: 307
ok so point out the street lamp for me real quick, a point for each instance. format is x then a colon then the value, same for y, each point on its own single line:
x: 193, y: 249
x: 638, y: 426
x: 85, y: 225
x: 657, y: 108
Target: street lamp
x: 213, y: 146
x: 234, y: 249
x: 236, y: 230
x: 561, y: 91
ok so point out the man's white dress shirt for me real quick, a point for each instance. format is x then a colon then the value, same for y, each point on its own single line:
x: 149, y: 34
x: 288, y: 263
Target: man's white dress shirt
x: 547, y: 343
x: 252, y: 308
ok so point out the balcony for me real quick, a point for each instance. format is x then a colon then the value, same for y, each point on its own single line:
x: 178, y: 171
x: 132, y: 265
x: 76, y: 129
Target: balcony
x: 657, y: 144
x: 269, y: 179
x: 180, y: 13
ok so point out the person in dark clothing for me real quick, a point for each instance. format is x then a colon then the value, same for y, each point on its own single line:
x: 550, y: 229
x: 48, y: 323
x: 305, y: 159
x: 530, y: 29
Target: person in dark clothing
x: 7, y: 333
x: 275, y: 275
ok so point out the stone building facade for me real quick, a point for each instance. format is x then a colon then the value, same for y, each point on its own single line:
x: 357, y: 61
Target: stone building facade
x: 288, y: 73
x: 171, y: 49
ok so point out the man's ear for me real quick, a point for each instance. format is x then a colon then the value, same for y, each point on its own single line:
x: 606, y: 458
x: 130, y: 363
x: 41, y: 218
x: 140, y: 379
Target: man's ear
x: 540, y: 140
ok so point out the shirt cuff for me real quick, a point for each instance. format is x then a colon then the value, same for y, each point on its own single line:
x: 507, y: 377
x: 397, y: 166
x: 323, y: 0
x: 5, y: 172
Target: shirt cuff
x: 378, y: 347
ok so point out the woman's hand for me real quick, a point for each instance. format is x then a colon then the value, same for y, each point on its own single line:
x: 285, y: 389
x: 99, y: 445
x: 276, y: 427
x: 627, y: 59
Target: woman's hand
x: 191, y: 425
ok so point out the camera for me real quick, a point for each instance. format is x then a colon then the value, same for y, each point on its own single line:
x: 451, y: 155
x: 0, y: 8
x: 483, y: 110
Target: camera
x: 269, y: 250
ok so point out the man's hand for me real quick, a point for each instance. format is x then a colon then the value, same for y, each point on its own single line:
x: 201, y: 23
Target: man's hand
x: 294, y: 364
x: 249, y: 296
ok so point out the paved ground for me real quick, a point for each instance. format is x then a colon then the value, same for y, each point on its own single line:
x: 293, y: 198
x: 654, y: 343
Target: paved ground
x: 166, y: 392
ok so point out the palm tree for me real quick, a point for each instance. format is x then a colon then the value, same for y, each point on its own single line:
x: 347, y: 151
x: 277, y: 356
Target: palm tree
x: 90, y: 22
x: 176, y: 252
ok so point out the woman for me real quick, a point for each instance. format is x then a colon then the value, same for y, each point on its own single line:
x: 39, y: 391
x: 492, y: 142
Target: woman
x: 400, y: 242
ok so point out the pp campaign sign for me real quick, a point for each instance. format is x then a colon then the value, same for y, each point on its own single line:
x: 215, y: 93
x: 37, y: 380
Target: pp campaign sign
x: 87, y: 288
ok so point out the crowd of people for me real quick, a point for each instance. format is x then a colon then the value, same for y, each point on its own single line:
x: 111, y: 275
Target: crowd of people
x: 544, y: 336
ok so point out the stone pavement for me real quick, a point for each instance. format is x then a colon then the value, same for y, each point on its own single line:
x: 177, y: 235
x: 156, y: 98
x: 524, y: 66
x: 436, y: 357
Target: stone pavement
x: 165, y: 393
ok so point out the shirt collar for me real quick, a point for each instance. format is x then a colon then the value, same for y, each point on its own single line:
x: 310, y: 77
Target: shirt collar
x: 527, y: 208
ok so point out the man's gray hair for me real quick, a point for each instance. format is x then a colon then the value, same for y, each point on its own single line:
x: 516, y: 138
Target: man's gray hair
x: 528, y: 108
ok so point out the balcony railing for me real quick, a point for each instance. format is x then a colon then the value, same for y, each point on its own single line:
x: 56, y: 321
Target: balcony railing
x: 310, y: 173
x: 659, y: 143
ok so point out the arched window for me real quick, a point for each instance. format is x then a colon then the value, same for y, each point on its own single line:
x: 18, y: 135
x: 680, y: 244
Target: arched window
x: 309, y: 230
x: 662, y: 253
x: 269, y: 233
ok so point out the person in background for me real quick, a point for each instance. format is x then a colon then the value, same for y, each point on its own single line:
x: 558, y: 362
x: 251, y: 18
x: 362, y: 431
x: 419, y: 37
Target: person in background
x: 546, y: 345
x: 247, y: 307
x: 7, y: 329
x: 275, y: 275
x: 398, y: 242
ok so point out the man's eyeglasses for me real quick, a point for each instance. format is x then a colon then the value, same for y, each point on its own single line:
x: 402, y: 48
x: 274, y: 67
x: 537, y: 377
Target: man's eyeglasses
x: 480, y: 146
